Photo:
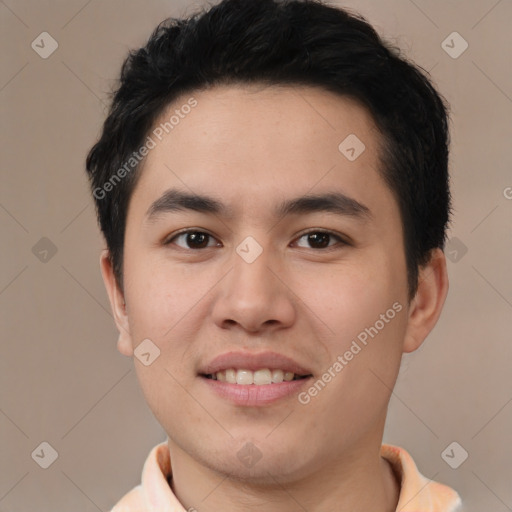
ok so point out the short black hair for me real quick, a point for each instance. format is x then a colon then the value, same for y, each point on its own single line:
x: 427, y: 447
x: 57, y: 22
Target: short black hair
x: 283, y: 42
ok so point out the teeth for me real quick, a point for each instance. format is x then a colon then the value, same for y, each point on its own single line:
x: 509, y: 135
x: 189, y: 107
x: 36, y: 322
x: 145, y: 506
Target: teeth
x: 244, y: 377
x: 230, y: 376
x: 260, y: 377
x: 277, y: 376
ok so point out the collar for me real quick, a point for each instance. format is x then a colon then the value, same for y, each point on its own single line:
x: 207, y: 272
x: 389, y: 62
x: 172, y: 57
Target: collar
x: 417, y: 493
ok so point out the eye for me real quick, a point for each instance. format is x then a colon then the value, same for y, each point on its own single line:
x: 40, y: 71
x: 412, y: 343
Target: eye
x: 194, y: 239
x: 320, y: 238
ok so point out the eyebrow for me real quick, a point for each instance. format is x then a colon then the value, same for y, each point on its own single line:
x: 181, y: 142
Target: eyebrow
x: 338, y: 203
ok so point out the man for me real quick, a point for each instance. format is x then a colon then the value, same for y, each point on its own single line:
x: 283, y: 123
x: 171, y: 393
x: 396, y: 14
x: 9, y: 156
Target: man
x: 272, y: 186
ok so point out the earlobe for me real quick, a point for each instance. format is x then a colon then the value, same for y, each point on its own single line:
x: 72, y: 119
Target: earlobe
x: 117, y: 304
x: 124, y: 345
x: 428, y: 302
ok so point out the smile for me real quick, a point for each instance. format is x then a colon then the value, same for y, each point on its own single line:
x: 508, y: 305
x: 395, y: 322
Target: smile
x: 260, y: 377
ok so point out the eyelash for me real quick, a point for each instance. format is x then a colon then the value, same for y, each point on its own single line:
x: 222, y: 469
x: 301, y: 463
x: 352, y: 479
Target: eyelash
x: 341, y: 242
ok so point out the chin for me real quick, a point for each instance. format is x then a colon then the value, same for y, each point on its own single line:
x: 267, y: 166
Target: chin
x: 261, y: 462
x: 269, y: 473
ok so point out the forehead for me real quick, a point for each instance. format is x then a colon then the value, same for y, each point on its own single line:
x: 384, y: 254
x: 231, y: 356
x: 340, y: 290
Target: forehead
x: 251, y: 144
x: 303, y: 119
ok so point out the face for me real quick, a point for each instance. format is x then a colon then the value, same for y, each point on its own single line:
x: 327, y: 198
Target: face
x: 318, y: 289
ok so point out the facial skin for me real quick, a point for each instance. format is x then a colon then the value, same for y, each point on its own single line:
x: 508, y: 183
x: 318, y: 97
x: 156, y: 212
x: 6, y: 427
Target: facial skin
x: 251, y: 148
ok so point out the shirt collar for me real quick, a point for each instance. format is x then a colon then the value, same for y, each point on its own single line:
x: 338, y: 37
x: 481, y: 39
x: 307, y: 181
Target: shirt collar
x: 417, y: 493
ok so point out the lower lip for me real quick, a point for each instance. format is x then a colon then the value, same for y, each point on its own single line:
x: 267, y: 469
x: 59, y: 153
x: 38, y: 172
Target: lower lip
x: 253, y: 395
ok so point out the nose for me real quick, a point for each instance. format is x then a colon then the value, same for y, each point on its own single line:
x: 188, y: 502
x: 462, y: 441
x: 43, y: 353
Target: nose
x: 254, y: 295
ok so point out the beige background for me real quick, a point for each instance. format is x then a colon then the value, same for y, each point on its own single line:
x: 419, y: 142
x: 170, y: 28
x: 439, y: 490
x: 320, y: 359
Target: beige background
x: 62, y: 380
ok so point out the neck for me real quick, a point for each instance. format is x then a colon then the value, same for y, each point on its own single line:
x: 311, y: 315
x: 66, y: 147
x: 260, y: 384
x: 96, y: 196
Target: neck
x: 359, y: 480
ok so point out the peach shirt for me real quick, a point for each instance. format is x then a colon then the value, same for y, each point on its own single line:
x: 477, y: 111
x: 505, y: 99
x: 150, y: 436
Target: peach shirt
x: 417, y: 493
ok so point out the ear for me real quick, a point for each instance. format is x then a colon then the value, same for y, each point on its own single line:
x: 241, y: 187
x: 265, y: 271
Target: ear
x: 428, y: 302
x: 117, y: 303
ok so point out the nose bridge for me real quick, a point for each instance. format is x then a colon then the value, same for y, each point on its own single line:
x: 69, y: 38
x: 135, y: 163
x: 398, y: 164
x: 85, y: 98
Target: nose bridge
x: 251, y: 265
x: 253, y: 294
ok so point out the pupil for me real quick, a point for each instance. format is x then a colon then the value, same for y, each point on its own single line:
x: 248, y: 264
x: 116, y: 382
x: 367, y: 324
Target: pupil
x: 195, y: 236
x: 314, y: 237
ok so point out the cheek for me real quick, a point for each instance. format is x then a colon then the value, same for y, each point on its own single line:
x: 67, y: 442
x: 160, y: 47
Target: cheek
x: 152, y: 308
x: 158, y: 295
x: 353, y: 296
x: 366, y: 309
x: 166, y: 306
x: 160, y: 312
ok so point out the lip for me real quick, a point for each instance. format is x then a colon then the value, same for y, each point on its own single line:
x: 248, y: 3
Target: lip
x: 252, y: 395
x: 253, y: 362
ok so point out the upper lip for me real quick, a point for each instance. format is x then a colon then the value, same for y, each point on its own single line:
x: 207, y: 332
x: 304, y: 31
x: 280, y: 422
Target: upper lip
x: 253, y: 362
